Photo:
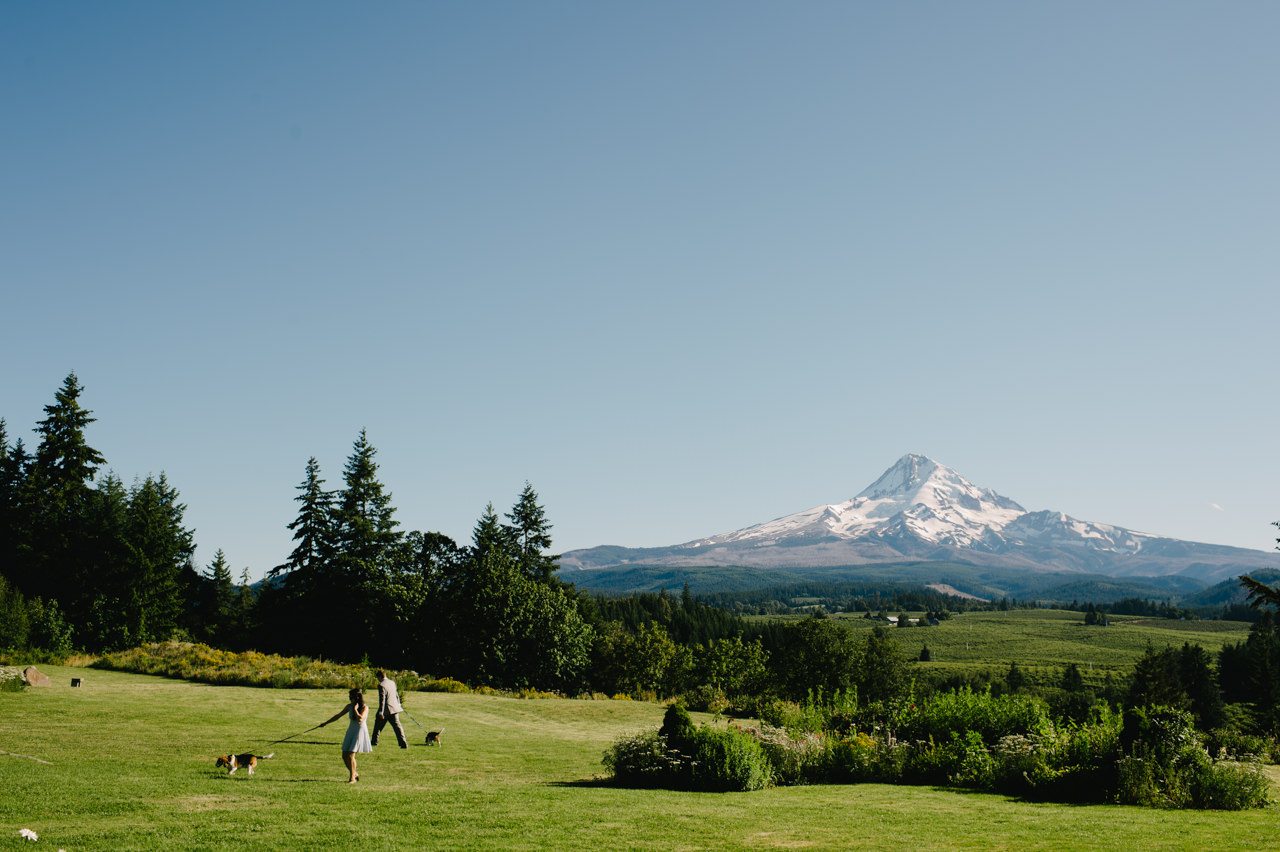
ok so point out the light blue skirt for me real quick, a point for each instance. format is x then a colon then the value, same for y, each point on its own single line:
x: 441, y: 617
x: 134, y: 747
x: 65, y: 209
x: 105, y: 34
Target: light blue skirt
x: 357, y: 738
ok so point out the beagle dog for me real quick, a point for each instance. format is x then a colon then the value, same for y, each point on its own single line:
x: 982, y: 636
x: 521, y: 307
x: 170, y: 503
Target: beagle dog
x: 235, y: 761
x: 433, y: 738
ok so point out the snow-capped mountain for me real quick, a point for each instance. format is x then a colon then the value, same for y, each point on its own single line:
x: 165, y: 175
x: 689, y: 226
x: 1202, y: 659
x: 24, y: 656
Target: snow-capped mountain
x: 920, y: 510
x: 916, y: 497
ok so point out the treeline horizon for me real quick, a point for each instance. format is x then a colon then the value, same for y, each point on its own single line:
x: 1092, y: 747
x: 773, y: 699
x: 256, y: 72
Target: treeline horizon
x: 100, y: 567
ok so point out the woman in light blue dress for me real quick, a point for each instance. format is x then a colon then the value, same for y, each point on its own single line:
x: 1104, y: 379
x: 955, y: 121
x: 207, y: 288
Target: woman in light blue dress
x: 357, y: 739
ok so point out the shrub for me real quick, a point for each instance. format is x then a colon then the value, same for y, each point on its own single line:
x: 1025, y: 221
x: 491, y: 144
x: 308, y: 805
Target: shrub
x: 683, y: 756
x: 950, y: 713
x: 862, y: 758
x: 793, y: 759
x: 643, y: 760
x: 835, y: 712
x: 708, y: 699
x: 1232, y: 743
x: 445, y: 684
x: 12, y: 679
x: 677, y: 726
x: 1165, y: 765
x: 1230, y: 787
x: 727, y: 761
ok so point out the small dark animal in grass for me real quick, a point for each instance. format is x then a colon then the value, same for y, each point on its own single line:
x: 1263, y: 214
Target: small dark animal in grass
x: 433, y: 738
x: 235, y: 761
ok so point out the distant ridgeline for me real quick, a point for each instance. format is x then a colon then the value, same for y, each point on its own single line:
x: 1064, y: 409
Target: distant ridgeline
x: 923, y: 515
x: 919, y: 587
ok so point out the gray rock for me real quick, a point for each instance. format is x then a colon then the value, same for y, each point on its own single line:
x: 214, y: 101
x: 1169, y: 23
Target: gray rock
x: 35, y: 678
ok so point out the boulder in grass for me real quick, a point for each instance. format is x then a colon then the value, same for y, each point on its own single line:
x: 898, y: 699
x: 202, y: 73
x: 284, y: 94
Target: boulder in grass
x: 34, y: 677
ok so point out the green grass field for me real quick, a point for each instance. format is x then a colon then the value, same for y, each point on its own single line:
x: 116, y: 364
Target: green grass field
x: 1043, y: 641
x: 127, y: 762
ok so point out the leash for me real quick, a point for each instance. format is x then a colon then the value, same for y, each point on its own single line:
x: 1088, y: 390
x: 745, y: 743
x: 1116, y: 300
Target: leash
x: 415, y: 721
x: 300, y: 733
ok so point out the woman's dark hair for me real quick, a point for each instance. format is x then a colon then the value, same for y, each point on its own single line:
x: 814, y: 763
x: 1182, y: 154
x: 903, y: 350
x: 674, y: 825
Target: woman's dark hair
x: 356, y: 696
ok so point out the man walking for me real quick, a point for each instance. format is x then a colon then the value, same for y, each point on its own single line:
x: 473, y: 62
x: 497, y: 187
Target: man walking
x: 388, y: 709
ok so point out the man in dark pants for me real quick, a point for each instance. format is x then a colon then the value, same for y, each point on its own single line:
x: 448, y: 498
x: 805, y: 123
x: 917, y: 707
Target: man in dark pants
x: 388, y: 709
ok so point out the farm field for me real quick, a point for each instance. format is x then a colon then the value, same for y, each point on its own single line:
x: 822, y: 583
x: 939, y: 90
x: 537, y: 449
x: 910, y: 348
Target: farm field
x: 127, y: 762
x: 1043, y: 641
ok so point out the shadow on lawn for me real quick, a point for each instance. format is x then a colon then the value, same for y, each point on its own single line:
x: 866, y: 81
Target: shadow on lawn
x: 582, y: 782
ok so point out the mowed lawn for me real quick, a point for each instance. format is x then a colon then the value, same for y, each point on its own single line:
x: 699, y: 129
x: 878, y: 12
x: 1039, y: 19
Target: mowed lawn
x: 127, y: 762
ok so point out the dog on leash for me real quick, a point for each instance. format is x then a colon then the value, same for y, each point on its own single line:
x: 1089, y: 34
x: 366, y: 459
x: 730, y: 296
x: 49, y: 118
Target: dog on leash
x: 433, y: 738
x: 235, y: 761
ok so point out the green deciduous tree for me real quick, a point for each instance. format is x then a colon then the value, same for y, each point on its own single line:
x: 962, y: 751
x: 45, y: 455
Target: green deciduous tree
x: 506, y: 630
x: 733, y: 666
x: 817, y: 653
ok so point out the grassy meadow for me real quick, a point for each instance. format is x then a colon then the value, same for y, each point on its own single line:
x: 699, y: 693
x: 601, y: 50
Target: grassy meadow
x: 1043, y: 641
x: 127, y: 762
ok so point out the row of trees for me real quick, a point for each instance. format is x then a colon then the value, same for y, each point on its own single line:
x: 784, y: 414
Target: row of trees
x: 103, y: 566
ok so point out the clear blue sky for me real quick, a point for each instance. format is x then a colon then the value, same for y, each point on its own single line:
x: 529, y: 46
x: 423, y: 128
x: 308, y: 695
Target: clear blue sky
x: 683, y: 266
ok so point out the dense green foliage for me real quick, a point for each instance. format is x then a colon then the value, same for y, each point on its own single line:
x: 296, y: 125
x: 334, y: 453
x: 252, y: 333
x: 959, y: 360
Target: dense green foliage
x: 1152, y: 756
x: 101, y: 567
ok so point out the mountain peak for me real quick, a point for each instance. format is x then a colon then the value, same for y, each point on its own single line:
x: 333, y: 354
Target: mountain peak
x: 920, y: 510
x: 919, y: 480
x: 906, y: 477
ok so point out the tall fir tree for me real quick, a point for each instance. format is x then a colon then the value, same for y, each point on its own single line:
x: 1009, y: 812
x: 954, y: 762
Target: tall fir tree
x: 162, y: 549
x: 367, y: 546
x: 364, y: 529
x: 304, y: 594
x: 219, y: 599
x: 14, y: 466
x: 312, y: 529
x: 531, y: 533
x: 489, y: 534
x: 58, y: 492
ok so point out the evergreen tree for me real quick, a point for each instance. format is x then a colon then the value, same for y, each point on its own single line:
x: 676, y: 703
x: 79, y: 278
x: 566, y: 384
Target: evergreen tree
x: 532, y: 536
x: 367, y: 546
x: 312, y: 528
x: 66, y: 462
x: 14, y: 466
x: 220, y: 598
x: 310, y: 596
x: 1195, y: 675
x: 489, y: 534
x: 364, y: 530
x: 243, y: 611
x: 1155, y: 680
x: 1072, y: 680
x: 58, y: 490
x: 1015, y: 679
x: 1260, y: 593
x: 161, y: 548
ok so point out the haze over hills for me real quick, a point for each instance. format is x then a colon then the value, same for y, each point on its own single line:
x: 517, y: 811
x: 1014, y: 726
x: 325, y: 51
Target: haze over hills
x: 920, y: 511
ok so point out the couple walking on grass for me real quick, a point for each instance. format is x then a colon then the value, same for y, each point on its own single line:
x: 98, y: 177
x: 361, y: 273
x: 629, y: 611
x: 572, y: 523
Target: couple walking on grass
x: 357, y: 739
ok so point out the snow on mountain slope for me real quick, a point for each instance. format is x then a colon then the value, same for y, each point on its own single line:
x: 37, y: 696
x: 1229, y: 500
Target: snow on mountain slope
x: 922, y: 511
x: 916, y: 497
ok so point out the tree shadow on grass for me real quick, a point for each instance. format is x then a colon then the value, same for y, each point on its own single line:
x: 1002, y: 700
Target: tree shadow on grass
x: 581, y: 782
